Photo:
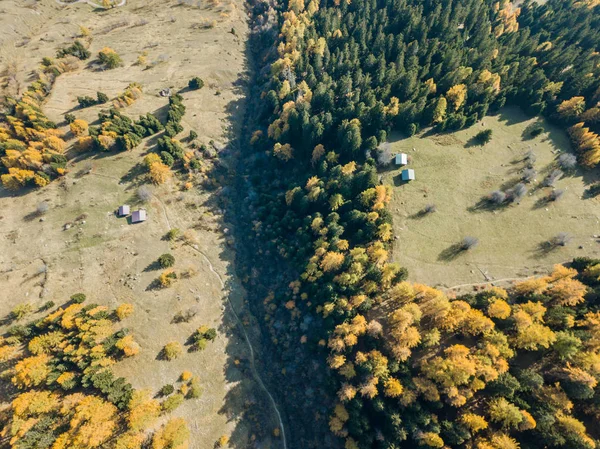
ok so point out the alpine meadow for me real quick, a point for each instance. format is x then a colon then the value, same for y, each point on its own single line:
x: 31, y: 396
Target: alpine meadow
x: 300, y: 224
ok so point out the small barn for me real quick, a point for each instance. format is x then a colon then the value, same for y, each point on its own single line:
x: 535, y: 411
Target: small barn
x: 401, y: 159
x: 407, y: 175
x: 123, y: 210
x: 138, y: 216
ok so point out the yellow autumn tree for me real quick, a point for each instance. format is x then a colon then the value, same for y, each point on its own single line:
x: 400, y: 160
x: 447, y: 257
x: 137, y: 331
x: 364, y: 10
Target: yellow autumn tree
x: 332, y: 261
x: 160, y: 173
x: 587, y: 144
x: 572, y: 108
x: 457, y: 95
x: 172, y: 435
x: 143, y: 411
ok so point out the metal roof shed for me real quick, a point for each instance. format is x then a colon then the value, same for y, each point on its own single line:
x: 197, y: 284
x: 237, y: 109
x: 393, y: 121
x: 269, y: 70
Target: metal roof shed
x: 401, y: 159
x: 123, y: 210
x: 138, y: 216
x: 408, y: 174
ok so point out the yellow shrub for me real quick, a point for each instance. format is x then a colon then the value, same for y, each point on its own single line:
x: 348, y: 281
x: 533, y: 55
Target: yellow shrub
x: 78, y: 127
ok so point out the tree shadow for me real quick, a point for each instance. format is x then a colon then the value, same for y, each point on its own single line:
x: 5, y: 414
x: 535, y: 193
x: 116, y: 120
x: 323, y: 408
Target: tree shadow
x: 420, y: 214
x: 31, y: 216
x: 486, y: 205
x: 591, y: 192
x: 543, y: 249
x: 451, y: 253
x: 474, y: 142
x: 154, y: 266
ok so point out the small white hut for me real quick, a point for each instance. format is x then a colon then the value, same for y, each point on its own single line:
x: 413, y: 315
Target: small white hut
x: 401, y: 159
x: 407, y: 175
x: 138, y: 216
x: 123, y: 210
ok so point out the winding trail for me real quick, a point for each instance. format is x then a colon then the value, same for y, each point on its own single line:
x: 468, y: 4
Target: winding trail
x: 91, y: 3
x: 495, y: 281
x: 255, y: 373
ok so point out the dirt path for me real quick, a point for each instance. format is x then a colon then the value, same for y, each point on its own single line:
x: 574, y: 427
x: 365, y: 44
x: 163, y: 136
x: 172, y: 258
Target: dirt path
x: 91, y: 3
x: 496, y: 281
x: 255, y: 373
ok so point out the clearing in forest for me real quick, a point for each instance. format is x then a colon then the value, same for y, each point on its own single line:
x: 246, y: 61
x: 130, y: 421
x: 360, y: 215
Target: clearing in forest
x: 456, y: 174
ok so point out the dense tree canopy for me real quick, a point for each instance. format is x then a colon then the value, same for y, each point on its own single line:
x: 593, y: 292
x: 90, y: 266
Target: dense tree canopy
x: 407, y: 366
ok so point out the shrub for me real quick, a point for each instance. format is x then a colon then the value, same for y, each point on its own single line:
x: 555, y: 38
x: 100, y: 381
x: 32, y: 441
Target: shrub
x: 529, y: 175
x: 468, y: 243
x: 567, y: 161
x: 195, y: 388
x: 109, y: 58
x: 172, y: 350
x: 193, y: 135
x: 556, y: 194
x: 172, y: 129
x: 150, y: 159
x: 222, y: 441
x: 497, y: 197
x: 172, y: 402
x: 86, y: 102
x: 77, y: 49
x: 102, y: 97
x: 484, y: 136
x: 167, y: 158
x: 124, y: 310
x: 517, y: 193
x: 78, y: 127
x: 42, y: 208
x: 144, y: 194
x: 185, y: 376
x: 78, y: 298
x: 561, y: 239
x: 69, y: 118
x: 167, y: 278
x: 166, y: 260
x: 166, y: 390
x: 210, y: 334
x: 196, y: 83
x: 47, y: 306
x: 21, y: 311
x: 202, y: 336
x: 184, y: 316
x: 195, y: 164
x: 530, y: 157
x: 173, y: 234
x: 552, y: 177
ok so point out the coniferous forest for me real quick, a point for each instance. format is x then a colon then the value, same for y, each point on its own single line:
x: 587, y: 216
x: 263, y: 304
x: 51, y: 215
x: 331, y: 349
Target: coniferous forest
x: 365, y: 359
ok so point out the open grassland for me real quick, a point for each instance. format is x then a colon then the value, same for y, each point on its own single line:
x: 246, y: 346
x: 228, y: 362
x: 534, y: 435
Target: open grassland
x: 79, y: 245
x: 455, y: 174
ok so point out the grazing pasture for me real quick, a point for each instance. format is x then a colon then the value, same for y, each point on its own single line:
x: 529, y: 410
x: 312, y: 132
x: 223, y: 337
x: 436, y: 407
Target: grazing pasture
x: 518, y: 235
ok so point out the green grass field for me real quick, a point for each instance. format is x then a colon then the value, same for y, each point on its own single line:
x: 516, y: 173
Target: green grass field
x: 456, y: 175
